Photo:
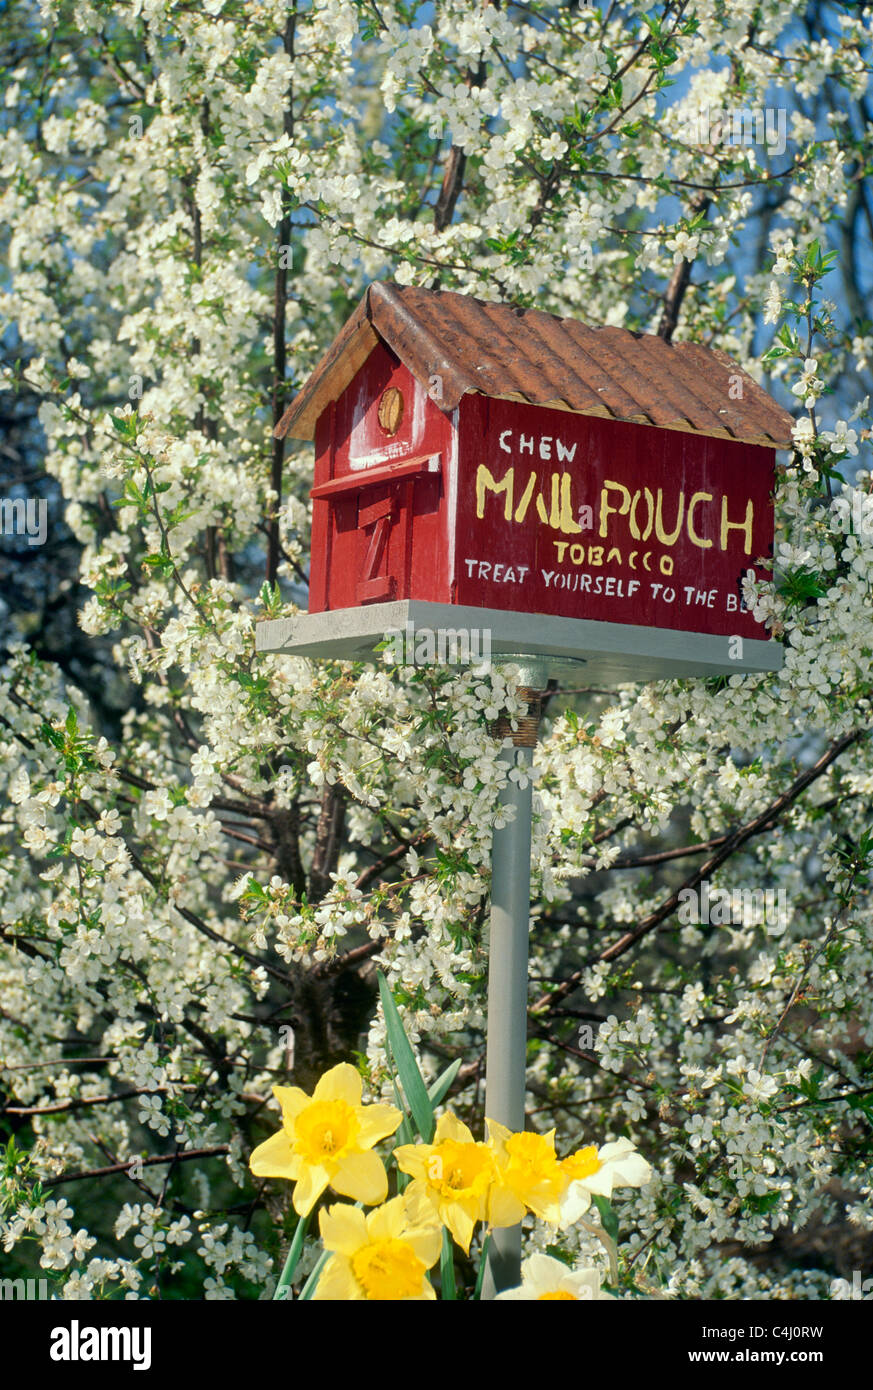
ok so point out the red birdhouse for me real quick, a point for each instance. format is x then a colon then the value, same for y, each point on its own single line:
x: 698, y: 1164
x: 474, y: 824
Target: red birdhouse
x: 491, y: 457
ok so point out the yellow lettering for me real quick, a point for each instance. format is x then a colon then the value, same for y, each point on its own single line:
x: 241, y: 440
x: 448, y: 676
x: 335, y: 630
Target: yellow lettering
x: 555, y: 516
x: 744, y: 526
x: 692, y: 534
x: 634, y: 528
x: 521, y: 509
x: 485, y: 481
x: 659, y: 526
x: 569, y: 525
x: 605, y: 509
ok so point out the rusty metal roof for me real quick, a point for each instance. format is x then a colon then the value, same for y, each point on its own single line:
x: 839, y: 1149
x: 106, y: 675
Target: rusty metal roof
x: 519, y: 354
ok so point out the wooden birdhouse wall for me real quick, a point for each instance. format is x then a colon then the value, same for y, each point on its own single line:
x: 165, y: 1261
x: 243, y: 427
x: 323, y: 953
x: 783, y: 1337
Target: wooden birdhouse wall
x: 584, y: 517
x: 501, y: 504
x: 380, y: 529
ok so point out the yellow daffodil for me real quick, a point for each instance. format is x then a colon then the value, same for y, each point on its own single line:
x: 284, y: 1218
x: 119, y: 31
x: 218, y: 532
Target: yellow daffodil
x: 326, y: 1140
x: 545, y: 1279
x: 382, y: 1255
x: 452, y: 1177
x: 529, y: 1176
x: 592, y: 1171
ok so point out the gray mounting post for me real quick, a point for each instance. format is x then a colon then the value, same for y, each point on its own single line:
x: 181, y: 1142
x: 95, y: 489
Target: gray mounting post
x: 506, y: 1052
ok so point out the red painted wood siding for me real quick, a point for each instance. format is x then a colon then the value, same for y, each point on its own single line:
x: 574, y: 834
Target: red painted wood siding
x: 497, y: 517
x: 550, y: 463
x: 386, y: 539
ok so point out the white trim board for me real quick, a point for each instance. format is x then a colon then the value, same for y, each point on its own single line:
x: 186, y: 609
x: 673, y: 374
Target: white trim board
x: 614, y: 652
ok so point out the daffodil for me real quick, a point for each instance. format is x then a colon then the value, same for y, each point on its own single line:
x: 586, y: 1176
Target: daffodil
x: 452, y: 1177
x: 529, y: 1176
x: 546, y: 1279
x: 382, y: 1255
x: 592, y: 1171
x: 326, y: 1140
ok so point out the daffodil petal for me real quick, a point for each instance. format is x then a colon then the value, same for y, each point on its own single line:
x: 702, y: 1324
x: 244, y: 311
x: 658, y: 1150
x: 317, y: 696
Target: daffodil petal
x: 377, y: 1122
x: 544, y: 1271
x: 426, y: 1243
x: 601, y: 1182
x: 583, y: 1284
x: 388, y: 1222
x: 542, y: 1276
x: 361, y: 1177
x: 504, y: 1208
x: 412, y: 1158
x: 422, y: 1203
x: 343, y: 1228
x: 310, y: 1185
x: 450, y: 1127
x: 274, y: 1159
x: 497, y: 1131
x: 292, y: 1101
x: 547, y: 1209
x: 337, y: 1282
x: 629, y: 1170
x: 342, y: 1082
x: 574, y: 1203
x: 615, y: 1149
x: 460, y: 1224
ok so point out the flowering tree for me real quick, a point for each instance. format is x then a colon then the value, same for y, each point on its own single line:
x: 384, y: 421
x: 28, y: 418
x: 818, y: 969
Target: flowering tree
x: 204, y: 854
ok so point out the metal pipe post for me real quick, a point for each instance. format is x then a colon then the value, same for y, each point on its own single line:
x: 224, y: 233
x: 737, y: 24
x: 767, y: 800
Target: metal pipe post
x: 506, y: 1055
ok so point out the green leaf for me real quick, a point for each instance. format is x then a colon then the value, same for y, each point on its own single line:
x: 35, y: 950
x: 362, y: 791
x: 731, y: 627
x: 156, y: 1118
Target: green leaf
x: 608, y: 1218
x: 411, y: 1078
x: 802, y: 585
x: 309, y: 1287
x: 271, y: 598
x: 443, y: 1082
x: 483, y: 1260
x: 405, y: 1134
x: 293, y: 1257
x: 447, y: 1268
x: 558, y: 1252
x: 763, y: 1202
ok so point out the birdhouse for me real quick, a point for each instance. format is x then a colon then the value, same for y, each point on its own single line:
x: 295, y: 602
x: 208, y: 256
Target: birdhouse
x: 576, y: 489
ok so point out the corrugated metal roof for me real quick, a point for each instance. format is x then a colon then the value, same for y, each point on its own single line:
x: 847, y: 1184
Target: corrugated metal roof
x: 519, y: 354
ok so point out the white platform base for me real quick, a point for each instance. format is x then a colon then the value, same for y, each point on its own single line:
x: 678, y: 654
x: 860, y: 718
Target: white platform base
x: 604, y: 652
